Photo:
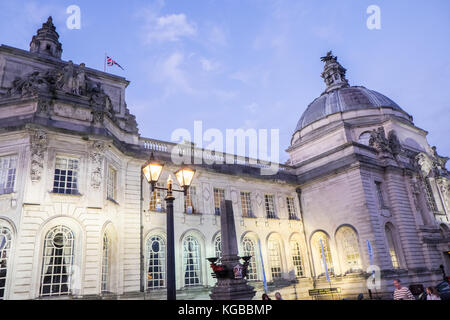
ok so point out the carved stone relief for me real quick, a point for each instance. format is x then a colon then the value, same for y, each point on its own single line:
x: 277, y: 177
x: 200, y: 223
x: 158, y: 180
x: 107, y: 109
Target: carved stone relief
x: 96, y: 157
x: 38, y: 146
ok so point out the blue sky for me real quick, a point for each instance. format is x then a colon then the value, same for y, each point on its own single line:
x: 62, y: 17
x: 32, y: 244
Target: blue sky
x: 252, y: 63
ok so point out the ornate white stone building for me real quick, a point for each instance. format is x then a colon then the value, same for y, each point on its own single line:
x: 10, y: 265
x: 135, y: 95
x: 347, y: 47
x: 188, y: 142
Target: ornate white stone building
x: 78, y: 220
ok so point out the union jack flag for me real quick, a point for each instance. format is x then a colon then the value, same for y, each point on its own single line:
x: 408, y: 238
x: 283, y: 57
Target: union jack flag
x: 110, y: 62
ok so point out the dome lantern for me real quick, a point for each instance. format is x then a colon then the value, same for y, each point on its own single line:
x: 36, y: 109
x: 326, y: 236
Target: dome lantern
x: 46, y: 41
x: 333, y: 73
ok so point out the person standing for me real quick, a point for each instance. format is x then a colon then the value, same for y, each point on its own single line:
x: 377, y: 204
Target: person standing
x: 278, y: 296
x: 265, y: 297
x: 432, y: 294
x: 402, y: 293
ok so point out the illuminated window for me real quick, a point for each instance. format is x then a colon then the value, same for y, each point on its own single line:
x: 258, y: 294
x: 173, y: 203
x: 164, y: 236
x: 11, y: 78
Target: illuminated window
x: 218, y: 247
x: 316, y: 245
x: 66, y: 176
x: 105, y: 263
x: 111, y: 185
x: 8, y: 167
x: 190, y: 201
x: 250, y: 250
x: 219, y: 196
x: 275, y: 258
x: 5, y: 247
x: 57, y: 262
x: 156, y: 263
x: 297, y: 258
x: 348, y: 240
x: 191, y: 261
x: 291, y: 208
x: 157, y: 199
x: 392, y: 247
x: 246, y: 203
x: 270, y: 206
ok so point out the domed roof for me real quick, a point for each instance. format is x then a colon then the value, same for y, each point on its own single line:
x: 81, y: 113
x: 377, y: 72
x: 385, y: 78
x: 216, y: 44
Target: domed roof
x: 341, y: 100
x: 340, y: 97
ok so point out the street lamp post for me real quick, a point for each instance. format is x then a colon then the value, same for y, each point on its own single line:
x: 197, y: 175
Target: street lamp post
x: 152, y: 171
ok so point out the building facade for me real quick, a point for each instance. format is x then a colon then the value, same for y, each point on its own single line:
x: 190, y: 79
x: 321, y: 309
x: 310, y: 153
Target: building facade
x: 77, y: 219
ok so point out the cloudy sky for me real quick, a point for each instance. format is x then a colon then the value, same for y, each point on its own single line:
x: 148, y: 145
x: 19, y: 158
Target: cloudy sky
x: 252, y: 63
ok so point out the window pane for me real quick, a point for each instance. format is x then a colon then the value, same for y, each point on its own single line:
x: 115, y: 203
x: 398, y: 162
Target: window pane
x: 296, y: 258
x: 347, y: 238
x: 270, y: 206
x: 5, y: 246
x: 65, y: 179
x: 156, y: 263
x: 291, y: 208
x: 105, y: 263
x: 7, y: 174
x: 57, y: 262
x: 111, y: 184
x: 249, y: 250
x: 191, y: 261
x: 275, y: 259
x: 219, y: 196
x: 246, y: 205
x: 190, y: 201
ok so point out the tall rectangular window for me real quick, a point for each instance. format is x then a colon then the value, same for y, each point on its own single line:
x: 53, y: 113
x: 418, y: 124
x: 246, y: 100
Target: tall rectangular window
x: 270, y: 206
x: 381, y: 201
x: 66, y: 176
x: 219, y: 196
x: 275, y: 259
x: 291, y: 208
x: 190, y: 206
x: 157, y: 199
x: 246, y: 203
x: 430, y: 198
x: 111, y: 186
x: 8, y: 165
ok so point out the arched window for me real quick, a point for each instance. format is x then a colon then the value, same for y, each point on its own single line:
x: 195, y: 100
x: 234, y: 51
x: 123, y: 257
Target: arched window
x: 57, y: 262
x: 317, y: 252
x: 348, y: 241
x: 393, y: 252
x: 105, y: 263
x: 156, y: 263
x: 275, y: 258
x: 5, y: 247
x: 250, y: 250
x: 297, y: 258
x: 364, y: 138
x: 218, y: 247
x: 191, y: 261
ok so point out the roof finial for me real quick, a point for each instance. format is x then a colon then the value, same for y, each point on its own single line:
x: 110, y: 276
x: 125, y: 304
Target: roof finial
x: 46, y: 41
x: 333, y: 73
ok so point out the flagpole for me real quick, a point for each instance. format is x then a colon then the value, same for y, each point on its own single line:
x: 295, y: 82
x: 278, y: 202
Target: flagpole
x: 266, y: 290
x: 104, y: 63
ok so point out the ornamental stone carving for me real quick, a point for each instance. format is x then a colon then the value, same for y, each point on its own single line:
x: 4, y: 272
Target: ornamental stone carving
x: 443, y: 185
x: 379, y: 141
x: 387, y: 145
x: 38, y: 146
x: 96, y: 157
x: 44, y: 107
x: 425, y: 163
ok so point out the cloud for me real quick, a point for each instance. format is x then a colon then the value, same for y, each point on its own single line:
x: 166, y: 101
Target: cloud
x: 208, y: 65
x: 169, y: 72
x: 217, y: 36
x: 252, y: 107
x: 168, y: 28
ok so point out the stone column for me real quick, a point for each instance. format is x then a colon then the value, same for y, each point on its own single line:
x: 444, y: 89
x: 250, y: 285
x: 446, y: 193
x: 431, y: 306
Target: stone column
x: 230, y: 288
